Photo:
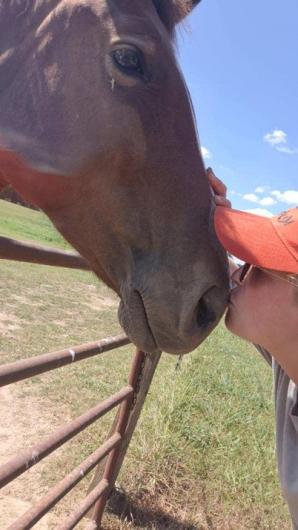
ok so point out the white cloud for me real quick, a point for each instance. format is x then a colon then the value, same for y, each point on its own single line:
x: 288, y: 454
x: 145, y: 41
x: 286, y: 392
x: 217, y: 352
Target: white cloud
x: 276, y: 137
x: 251, y: 197
x: 206, y: 153
x: 288, y: 196
x: 288, y: 150
x: 267, y: 201
x: 264, y: 201
x: 261, y: 189
x: 260, y: 211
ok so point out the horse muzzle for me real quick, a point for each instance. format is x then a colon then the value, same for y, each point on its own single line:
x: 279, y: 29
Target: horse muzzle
x: 177, y: 327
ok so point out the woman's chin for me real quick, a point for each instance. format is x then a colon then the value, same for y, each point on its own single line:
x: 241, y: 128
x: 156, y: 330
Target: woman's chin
x: 235, y: 327
x: 230, y: 321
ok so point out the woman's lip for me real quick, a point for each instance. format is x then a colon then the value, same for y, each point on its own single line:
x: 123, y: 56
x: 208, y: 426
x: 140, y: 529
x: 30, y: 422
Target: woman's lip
x: 230, y: 301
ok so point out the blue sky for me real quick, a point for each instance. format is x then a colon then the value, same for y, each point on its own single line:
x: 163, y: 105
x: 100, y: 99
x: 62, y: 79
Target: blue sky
x: 240, y: 63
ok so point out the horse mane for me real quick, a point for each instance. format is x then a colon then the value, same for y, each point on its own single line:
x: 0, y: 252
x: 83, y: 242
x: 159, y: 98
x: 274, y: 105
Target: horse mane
x: 172, y: 11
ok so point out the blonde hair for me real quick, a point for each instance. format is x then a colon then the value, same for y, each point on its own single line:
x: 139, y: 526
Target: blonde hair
x: 293, y: 278
x: 290, y: 277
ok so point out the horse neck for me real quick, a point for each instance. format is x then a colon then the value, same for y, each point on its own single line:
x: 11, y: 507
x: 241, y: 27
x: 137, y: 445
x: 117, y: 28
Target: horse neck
x: 3, y: 183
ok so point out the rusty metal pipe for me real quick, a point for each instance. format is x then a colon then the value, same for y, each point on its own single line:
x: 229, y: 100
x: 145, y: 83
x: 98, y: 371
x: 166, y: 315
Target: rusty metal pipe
x: 88, y: 502
x: 134, y: 381
x: 57, y: 492
x: 28, y: 458
x: 13, y: 249
x: 13, y: 372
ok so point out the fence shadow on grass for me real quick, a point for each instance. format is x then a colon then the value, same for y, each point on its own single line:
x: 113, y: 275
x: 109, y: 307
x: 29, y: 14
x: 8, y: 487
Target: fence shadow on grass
x: 124, y: 507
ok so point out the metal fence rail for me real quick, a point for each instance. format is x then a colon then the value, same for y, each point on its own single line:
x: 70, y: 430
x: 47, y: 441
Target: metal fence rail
x: 28, y: 458
x: 85, y: 506
x: 12, y: 249
x: 19, y: 370
x: 57, y: 492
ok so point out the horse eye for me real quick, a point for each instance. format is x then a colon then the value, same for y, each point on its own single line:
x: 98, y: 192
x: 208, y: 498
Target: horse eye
x: 128, y: 61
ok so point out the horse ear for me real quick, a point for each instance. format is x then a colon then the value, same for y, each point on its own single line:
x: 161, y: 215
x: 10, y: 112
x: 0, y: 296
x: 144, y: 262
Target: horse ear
x: 171, y: 12
x: 183, y: 8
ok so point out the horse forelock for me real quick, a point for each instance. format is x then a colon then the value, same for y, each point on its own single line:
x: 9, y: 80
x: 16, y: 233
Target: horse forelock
x: 169, y: 11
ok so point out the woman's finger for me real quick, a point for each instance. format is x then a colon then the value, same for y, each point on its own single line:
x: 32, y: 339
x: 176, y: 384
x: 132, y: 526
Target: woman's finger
x: 222, y: 201
x: 217, y: 185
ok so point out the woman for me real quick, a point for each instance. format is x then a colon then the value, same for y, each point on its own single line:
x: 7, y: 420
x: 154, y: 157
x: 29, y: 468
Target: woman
x: 263, y: 309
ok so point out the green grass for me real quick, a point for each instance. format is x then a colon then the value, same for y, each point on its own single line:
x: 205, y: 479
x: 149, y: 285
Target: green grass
x: 223, y: 414
x: 22, y: 223
x: 202, y: 457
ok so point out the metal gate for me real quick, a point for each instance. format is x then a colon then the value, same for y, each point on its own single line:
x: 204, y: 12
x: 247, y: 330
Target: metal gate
x: 129, y: 401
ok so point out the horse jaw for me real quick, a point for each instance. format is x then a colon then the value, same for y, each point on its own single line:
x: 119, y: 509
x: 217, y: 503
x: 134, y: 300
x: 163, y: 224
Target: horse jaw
x: 40, y: 189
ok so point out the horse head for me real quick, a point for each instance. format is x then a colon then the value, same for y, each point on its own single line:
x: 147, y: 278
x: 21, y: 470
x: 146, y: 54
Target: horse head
x: 97, y: 129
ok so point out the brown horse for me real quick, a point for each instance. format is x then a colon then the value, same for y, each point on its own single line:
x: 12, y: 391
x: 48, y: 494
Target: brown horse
x: 92, y: 99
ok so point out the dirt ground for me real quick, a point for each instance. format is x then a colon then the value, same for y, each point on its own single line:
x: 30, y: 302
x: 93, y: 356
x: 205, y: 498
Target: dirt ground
x: 27, y: 419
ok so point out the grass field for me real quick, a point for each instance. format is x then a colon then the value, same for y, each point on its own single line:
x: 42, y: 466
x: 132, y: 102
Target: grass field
x: 202, y: 457
x: 19, y: 222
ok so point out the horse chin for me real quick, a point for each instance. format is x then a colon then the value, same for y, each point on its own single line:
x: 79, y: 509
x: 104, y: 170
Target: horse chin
x: 133, y: 319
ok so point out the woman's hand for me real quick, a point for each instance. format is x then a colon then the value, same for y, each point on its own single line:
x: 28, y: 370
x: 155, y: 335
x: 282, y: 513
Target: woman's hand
x: 219, y: 190
x: 220, y: 198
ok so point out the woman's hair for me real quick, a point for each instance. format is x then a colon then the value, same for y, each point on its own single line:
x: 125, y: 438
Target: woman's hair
x: 293, y: 278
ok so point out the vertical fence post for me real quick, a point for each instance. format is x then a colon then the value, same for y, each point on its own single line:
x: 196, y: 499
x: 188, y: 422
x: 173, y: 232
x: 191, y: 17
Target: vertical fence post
x: 127, y: 420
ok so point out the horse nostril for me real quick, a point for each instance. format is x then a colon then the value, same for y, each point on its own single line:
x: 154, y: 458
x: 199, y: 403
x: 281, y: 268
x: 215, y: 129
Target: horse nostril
x: 205, y: 314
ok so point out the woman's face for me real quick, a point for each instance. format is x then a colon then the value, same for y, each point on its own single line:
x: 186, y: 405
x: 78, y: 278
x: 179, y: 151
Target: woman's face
x: 263, y: 308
